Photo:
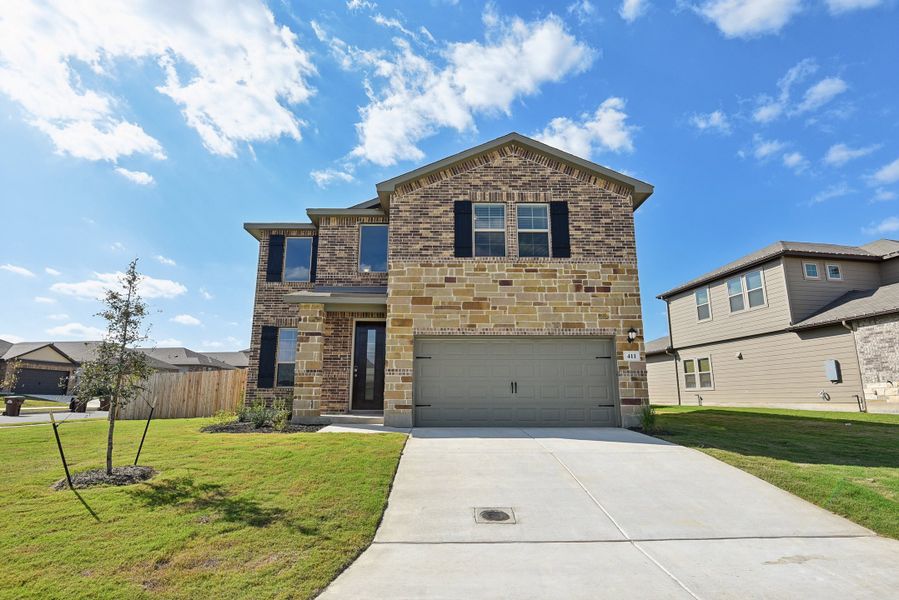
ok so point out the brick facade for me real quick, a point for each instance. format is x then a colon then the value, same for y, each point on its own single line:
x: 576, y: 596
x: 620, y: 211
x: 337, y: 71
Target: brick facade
x: 878, y: 356
x: 595, y: 292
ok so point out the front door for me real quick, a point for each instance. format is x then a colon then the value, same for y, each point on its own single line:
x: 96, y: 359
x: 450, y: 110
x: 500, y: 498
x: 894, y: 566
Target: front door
x: 368, y: 366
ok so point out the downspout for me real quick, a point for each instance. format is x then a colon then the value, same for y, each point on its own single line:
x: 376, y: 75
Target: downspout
x: 670, y: 350
x: 858, y: 362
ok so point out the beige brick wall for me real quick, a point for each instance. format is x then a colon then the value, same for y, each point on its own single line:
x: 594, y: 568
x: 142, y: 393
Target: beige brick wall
x: 878, y: 354
x: 338, y: 246
x: 593, y: 293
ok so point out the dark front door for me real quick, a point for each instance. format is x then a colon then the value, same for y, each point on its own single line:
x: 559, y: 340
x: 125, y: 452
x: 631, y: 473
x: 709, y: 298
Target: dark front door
x: 41, y: 381
x: 368, y: 366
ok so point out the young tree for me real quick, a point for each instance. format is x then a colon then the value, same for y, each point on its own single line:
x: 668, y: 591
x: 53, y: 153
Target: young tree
x: 118, y: 371
x: 11, y: 375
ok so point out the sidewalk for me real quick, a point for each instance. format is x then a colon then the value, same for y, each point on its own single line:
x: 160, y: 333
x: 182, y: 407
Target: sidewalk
x: 37, y: 418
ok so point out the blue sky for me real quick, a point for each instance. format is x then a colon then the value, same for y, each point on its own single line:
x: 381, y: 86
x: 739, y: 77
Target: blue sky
x: 154, y: 132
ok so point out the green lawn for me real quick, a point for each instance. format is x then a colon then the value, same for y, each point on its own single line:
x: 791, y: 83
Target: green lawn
x: 228, y: 516
x: 32, y: 403
x: 847, y: 463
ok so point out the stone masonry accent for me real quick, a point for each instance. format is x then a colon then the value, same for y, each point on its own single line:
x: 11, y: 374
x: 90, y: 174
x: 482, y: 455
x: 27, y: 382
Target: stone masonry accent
x: 338, y: 359
x: 877, y: 340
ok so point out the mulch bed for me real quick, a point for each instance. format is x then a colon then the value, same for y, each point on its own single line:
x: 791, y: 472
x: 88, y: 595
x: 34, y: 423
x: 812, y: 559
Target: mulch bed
x: 120, y: 476
x: 238, y: 427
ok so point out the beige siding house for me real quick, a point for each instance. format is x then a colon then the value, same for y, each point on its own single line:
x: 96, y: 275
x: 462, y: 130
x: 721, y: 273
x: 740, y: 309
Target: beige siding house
x: 793, y: 324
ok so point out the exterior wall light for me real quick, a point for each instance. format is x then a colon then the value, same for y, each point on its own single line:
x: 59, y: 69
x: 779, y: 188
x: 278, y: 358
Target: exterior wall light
x: 631, y: 334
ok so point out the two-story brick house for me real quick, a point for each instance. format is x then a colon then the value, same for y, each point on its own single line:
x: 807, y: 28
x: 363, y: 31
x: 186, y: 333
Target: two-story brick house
x: 495, y: 287
x: 812, y: 325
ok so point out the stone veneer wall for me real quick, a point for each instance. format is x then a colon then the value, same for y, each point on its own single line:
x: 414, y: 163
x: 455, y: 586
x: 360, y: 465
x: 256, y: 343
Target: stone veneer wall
x: 337, y: 361
x: 877, y: 340
x: 595, y: 292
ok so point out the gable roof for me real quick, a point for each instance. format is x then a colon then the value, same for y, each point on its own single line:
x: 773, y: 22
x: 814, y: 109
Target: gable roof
x: 641, y: 189
x: 777, y: 249
x: 239, y: 359
x: 184, y: 357
x: 857, y: 304
x: 4, y: 346
x: 658, y: 345
x: 21, y: 349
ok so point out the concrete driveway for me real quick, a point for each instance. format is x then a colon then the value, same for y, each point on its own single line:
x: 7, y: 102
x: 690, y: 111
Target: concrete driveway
x: 603, y: 513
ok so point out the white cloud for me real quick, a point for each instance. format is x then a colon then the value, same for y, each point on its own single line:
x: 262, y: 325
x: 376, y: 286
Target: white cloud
x: 326, y: 177
x: 244, y: 72
x: 77, y: 330
x: 771, y: 108
x: 888, y: 225
x: 228, y: 342
x: 764, y: 149
x: 52, y: 271
x: 394, y: 23
x: 206, y: 295
x: 795, y: 161
x: 749, y: 18
x: 169, y: 342
x: 583, y: 10
x: 839, y: 154
x: 17, y: 270
x: 13, y: 339
x: 149, y: 287
x: 165, y: 261
x: 186, y: 320
x: 138, y: 177
x: 58, y: 317
x: 887, y: 173
x: 117, y: 247
x: 631, y: 10
x: 355, y: 5
x: 417, y: 97
x: 44, y: 300
x: 605, y: 129
x: 884, y: 195
x: 821, y: 93
x: 841, y: 6
x: 835, y: 191
x: 713, y: 121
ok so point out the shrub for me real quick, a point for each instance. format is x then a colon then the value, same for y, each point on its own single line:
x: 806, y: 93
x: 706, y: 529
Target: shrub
x: 281, y: 418
x: 223, y: 417
x: 648, y: 418
x: 260, y: 414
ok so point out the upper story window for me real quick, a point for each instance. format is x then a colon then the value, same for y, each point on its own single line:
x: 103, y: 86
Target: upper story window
x: 810, y: 271
x: 286, y: 357
x: 297, y: 259
x: 373, y: 248
x: 703, y: 306
x: 834, y: 273
x: 489, y: 230
x: 533, y: 230
x: 746, y: 290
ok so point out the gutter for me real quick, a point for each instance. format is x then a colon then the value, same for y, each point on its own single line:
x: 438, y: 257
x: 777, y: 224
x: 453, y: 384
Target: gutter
x: 670, y: 351
x: 858, y: 362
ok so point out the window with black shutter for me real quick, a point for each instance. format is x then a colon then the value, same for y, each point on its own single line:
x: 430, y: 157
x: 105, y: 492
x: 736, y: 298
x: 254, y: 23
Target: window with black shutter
x: 463, y: 231
x: 268, y: 345
x: 558, y: 220
x: 275, y: 266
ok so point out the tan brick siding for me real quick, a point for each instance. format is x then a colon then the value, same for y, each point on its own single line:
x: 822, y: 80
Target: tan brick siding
x: 338, y: 248
x: 877, y: 340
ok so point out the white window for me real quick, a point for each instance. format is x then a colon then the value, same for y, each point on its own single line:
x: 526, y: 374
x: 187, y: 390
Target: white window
x: 533, y: 230
x: 810, y: 271
x: 489, y: 230
x: 698, y: 373
x: 834, y: 273
x: 286, y: 357
x: 746, y: 291
x: 703, y: 306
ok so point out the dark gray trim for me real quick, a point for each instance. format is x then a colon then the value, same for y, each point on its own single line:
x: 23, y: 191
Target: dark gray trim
x: 315, y: 214
x: 642, y: 190
x: 256, y: 229
x: 373, y: 203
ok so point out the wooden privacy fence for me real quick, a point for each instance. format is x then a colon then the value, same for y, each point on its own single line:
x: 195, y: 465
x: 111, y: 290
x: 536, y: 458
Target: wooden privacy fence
x: 184, y: 395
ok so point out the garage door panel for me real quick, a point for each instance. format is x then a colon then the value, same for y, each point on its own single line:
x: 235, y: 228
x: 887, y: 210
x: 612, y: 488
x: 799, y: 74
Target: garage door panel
x: 466, y: 382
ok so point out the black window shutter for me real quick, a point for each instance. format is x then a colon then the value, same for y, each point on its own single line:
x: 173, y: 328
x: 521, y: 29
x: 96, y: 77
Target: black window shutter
x: 558, y: 218
x: 267, y: 346
x: 463, y: 226
x: 313, y: 263
x: 275, y: 266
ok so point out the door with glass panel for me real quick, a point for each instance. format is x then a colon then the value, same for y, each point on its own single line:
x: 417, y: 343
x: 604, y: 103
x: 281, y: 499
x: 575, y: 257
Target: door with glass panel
x: 368, y: 366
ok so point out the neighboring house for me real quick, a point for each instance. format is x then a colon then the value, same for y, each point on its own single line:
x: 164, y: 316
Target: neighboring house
x: 793, y: 323
x: 187, y: 360
x: 238, y: 360
x: 495, y: 287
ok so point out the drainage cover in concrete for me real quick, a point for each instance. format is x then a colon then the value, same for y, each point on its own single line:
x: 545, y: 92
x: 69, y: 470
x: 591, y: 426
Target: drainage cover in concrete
x: 494, y: 515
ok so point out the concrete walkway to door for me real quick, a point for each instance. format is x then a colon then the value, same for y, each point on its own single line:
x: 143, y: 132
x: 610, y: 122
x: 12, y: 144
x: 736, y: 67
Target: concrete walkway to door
x: 603, y: 513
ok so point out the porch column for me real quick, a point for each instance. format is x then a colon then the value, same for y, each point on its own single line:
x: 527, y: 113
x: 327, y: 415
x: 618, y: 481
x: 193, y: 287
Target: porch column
x: 307, y: 386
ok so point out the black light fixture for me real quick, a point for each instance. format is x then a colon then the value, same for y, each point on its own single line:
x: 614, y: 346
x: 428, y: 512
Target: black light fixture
x: 631, y: 334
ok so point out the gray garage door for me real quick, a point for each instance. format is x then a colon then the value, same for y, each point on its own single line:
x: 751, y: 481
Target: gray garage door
x: 41, y: 381
x: 521, y: 382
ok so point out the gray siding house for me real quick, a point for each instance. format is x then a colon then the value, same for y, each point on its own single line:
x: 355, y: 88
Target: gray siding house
x: 810, y: 325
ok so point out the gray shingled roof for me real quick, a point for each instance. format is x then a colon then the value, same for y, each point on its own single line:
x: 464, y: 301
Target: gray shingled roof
x: 81, y: 352
x: 658, y: 345
x: 4, y: 346
x: 238, y: 360
x: 185, y: 357
x: 16, y: 350
x: 856, y: 304
x: 780, y: 248
x: 882, y: 247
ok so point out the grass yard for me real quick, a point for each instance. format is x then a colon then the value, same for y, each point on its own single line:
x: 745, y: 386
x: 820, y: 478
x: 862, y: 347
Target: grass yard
x: 847, y: 463
x: 32, y: 403
x: 228, y: 516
